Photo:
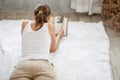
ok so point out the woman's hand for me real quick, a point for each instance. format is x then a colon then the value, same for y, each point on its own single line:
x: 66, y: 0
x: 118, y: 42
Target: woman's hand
x: 61, y: 33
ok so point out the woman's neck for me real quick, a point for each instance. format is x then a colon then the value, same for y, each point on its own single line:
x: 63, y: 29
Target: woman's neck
x: 34, y: 27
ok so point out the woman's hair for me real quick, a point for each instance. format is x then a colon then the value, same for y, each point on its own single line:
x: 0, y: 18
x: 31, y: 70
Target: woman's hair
x: 41, y: 13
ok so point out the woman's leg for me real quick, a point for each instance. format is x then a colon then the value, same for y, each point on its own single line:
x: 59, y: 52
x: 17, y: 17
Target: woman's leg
x: 22, y: 78
x: 46, y: 72
x: 22, y: 71
x: 44, y: 78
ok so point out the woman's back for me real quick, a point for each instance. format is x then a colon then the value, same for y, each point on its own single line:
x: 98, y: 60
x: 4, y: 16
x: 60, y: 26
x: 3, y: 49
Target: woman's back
x: 38, y: 39
x: 35, y: 44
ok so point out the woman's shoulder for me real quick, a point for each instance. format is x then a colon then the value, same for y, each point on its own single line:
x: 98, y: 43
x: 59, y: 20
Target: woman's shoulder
x: 24, y: 23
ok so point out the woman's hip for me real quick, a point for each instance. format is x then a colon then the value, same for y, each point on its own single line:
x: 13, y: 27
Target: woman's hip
x: 33, y: 67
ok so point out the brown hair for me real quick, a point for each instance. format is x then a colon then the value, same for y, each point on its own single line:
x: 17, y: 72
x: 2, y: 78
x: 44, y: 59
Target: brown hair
x: 41, y: 13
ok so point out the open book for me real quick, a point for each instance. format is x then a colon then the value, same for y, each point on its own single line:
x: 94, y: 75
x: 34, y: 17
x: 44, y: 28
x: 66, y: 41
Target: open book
x: 60, y: 22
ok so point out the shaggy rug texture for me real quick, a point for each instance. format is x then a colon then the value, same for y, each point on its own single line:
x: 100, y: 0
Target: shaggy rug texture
x: 82, y: 55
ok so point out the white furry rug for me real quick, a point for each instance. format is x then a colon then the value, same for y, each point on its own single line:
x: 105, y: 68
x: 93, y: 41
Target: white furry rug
x: 82, y: 55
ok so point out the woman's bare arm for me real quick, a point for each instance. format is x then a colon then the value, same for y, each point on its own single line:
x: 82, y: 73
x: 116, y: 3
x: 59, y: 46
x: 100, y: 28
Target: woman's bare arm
x: 54, y: 39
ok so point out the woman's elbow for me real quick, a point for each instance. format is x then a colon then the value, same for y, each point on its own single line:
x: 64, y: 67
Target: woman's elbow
x: 53, y: 46
x: 52, y: 49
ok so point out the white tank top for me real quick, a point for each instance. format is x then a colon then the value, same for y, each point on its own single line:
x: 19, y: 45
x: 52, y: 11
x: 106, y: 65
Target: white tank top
x: 35, y: 44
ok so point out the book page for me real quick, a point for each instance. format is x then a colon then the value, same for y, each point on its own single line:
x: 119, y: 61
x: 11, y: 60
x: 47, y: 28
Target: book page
x: 65, y: 26
x: 59, y: 23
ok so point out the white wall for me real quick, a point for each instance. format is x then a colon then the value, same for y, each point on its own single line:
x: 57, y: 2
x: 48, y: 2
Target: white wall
x: 29, y: 5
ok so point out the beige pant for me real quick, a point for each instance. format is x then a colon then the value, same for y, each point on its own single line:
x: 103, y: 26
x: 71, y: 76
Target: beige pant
x: 33, y: 70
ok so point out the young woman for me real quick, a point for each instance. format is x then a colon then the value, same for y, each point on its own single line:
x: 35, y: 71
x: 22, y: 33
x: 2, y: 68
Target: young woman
x: 38, y: 39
